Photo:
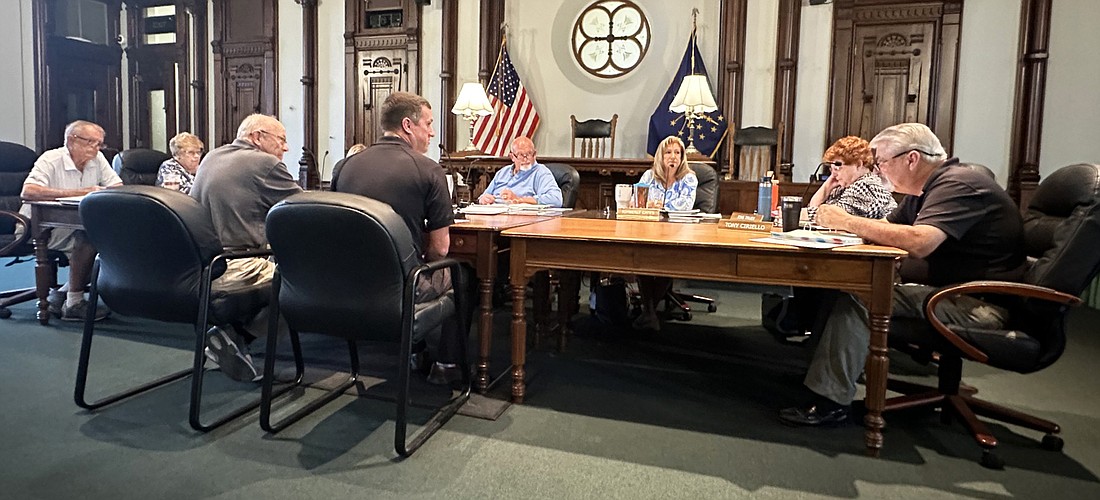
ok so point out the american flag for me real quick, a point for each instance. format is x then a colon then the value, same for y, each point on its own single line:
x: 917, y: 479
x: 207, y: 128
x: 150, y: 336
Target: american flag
x: 513, y: 115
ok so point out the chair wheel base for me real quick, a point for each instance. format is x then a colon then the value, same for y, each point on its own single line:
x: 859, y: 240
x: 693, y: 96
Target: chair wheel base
x: 1053, y: 443
x: 5, y: 313
x: 712, y: 308
x: 991, y: 461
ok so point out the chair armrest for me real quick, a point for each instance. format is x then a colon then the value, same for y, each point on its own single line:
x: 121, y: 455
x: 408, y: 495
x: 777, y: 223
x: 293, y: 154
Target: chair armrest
x: 19, y: 221
x: 988, y: 287
x: 241, y: 253
x: 457, y: 281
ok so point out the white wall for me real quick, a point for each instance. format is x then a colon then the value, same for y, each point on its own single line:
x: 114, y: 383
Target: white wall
x: 17, y: 57
x: 1071, y: 121
x: 811, y: 102
x: 289, y: 75
x: 758, y: 97
x: 539, y: 45
x: 988, y: 50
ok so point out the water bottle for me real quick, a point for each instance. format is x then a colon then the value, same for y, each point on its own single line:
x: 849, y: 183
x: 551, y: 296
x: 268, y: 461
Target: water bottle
x: 764, y: 198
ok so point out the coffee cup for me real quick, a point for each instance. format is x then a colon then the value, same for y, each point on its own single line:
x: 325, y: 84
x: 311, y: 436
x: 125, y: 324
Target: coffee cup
x: 623, y: 194
x: 791, y: 210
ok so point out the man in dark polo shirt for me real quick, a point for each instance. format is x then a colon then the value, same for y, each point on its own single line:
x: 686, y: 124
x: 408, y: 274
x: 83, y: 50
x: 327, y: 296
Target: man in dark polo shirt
x: 956, y: 223
x: 395, y: 171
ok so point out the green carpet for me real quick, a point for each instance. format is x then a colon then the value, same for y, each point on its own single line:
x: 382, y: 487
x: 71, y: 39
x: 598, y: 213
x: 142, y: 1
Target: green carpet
x: 687, y: 413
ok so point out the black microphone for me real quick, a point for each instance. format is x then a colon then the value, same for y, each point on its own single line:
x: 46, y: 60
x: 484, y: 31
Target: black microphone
x: 814, y: 177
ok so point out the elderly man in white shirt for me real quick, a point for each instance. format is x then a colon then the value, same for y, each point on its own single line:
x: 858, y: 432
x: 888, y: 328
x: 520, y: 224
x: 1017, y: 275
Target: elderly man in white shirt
x: 76, y: 169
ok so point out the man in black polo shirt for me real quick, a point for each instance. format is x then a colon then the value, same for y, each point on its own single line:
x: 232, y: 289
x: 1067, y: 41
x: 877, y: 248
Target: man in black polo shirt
x: 956, y: 223
x: 395, y: 171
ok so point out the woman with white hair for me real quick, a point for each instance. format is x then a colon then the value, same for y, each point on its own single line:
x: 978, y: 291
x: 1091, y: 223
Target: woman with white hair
x: 178, y: 172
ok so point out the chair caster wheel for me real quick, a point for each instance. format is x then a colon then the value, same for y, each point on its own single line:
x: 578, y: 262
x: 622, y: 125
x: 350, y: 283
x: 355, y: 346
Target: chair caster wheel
x: 712, y: 308
x: 1053, y: 443
x: 5, y: 314
x: 685, y: 316
x: 991, y: 461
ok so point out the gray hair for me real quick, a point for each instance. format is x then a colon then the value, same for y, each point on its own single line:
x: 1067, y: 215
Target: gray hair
x: 78, y: 125
x: 255, y: 123
x: 910, y: 137
x: 184, y: 140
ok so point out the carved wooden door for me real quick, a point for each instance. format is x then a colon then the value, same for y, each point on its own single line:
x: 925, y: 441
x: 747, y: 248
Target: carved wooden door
x: 894, y: 62
x: 381, y: 57
x: 893, y: 77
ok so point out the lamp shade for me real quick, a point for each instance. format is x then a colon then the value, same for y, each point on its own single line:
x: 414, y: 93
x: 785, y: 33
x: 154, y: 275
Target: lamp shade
x: 694, y: 96
x: 472, y: 101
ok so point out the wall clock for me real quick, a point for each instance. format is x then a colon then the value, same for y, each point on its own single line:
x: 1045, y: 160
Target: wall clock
x: 610, y: 38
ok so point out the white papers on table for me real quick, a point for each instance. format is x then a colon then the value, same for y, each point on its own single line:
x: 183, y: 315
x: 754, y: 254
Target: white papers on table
x: 485, y: 209
x: 812, y: 239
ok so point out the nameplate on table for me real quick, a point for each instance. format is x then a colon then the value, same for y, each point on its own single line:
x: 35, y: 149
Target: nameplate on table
x: 650, y: 214
x: 744, y: 217
x: 761, y: 227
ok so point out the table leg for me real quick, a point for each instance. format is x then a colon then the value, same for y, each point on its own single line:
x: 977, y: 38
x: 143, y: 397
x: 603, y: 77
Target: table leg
x: 485, y: 332
x: 519, y: 342
x: 880, y: 303
x: 44, y: 274
x: 568, y: 295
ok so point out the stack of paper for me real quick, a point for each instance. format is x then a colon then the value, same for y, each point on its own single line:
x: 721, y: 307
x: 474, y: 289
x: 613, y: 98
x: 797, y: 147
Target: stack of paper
x: 485, y: 209
x: 830, y: 237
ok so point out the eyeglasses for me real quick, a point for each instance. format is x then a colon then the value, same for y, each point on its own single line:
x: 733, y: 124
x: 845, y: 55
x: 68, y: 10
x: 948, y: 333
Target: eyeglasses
x: 92, y: 143
x: 281, y: 138
x: 194, y: 152
x: 523, y: 155
x: 879, y: 162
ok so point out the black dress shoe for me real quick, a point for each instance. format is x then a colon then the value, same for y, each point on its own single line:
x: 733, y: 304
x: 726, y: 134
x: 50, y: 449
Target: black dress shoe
x: 821, y: 414
x: 445, y: 374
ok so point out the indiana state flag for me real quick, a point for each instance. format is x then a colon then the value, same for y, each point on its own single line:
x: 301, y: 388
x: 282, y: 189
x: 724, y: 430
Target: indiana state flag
x: 709, y: 130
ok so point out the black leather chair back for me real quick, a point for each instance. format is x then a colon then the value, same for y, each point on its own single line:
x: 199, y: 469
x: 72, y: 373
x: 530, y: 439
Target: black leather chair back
x: 568, y: 180
x: 1061, y: 231
x: 343, y: 260
x: 16, y: 161
x: 706, y: 193
x: 153, y: 246
x: 978, y: 167
x: 139, y: 166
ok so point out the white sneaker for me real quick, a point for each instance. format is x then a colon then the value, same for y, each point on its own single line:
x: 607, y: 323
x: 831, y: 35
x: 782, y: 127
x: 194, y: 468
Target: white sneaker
x: 223, y: 350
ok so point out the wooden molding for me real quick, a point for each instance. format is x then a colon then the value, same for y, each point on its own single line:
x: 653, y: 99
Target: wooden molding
x: 1027, y: 116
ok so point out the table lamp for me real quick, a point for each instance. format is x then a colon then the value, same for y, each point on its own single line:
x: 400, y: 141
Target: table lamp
x: 694, y: 100
x: 472, y: 104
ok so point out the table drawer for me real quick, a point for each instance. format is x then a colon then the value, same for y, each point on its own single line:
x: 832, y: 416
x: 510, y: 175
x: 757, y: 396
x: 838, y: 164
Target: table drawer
x: 463, y: 244
x: 792, y: 268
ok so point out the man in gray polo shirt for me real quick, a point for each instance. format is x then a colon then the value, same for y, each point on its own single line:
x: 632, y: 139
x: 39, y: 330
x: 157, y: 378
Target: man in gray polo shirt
x: 75, y: 169
x: 239, y: 182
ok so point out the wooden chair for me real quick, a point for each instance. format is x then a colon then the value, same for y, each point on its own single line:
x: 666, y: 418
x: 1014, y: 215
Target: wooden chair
x: 595, y: 136
x: 755, y: 150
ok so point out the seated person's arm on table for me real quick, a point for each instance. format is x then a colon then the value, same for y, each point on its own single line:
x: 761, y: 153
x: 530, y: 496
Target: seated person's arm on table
x: 36, y: 192
x: 919, y: 240
x: 438, y: 243
x: 547, y: 191
x: 488, y: 197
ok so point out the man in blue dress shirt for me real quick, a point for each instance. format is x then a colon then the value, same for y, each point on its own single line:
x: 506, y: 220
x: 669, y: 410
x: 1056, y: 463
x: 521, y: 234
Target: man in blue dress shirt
x: 525, y: 181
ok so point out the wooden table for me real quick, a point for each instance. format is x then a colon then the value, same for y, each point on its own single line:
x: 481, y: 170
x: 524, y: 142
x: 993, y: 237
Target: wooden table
x: 478, y: 242
x: 45, y: 216
x: 706, y: 252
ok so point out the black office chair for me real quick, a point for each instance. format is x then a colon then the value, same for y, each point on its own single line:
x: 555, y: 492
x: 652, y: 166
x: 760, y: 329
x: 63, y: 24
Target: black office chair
x: 158, y: 257
x: 16, y: 161
x: 139, y: 166
x: 706, y: 200
x: 348, y: 268
x: 1061, y: 228
x: 568, y: 180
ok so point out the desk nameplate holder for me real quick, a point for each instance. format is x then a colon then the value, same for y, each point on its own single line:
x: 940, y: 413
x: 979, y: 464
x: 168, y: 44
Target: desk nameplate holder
x: 646, y: 214
x: 747, y: 222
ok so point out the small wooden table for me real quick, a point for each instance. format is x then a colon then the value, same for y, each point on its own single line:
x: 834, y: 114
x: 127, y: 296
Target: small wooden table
x: 45, y: 216
x: 706, y: 252
x: 478, y: 242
